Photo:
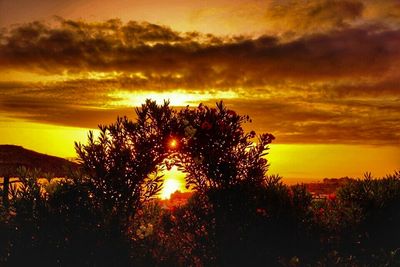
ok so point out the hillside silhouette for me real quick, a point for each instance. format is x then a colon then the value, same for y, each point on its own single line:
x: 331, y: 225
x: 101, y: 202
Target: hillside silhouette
x: 12, y: 157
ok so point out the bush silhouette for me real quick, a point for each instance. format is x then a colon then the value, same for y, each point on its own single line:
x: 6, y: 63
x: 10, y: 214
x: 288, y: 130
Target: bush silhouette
x: 107, y: 214
x: 216, y: 152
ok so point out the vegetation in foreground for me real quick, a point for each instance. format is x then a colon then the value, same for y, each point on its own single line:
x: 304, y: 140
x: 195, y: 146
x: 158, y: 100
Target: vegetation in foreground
x: 106, y: 215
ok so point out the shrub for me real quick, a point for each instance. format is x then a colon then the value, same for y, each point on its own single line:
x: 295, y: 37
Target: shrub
x: 360, y: 225
x: 379, y: 202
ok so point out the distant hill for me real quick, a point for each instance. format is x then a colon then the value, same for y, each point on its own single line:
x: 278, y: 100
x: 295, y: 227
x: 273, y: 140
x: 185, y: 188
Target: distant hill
x: 12, y: 157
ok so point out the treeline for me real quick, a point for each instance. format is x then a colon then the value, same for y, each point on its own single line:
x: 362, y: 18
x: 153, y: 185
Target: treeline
x: 105, y: 214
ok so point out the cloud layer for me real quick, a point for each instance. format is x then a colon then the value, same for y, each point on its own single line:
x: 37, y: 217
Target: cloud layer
x: 152, y: 49
x: 338, y: 83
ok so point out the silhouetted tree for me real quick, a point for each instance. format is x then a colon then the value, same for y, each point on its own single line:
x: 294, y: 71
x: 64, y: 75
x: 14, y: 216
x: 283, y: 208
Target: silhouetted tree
x: 216, y: 152
x: 123, y: 163
x: 210, y: 146
x: 238, y: 216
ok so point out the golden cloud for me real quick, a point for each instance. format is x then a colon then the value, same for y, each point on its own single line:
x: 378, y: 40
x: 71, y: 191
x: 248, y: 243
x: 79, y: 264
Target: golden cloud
x: 336, y: 86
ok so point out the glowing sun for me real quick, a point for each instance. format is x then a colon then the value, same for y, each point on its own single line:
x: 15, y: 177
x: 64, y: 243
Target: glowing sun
x: 170, y: 186
x: 173, y: 143
x: 174, y: 180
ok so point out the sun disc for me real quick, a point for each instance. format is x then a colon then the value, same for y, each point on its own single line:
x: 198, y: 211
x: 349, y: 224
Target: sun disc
x: 170, y: 186
x: 173, y: 143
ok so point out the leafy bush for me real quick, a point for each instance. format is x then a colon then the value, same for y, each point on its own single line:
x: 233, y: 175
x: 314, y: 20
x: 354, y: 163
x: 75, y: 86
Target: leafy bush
x: 379, y: 201
x: 263, y: 223
x: 60, y: 226
x: 238, y: 216
x: 216, y: 152
x: 184, y: 236
x: 359, y: 225
x: 245, y: 224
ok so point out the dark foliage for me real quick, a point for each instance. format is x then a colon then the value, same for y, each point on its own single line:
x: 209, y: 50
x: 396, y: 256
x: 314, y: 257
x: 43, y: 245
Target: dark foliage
x: 362, y: 222
x: 59, y: 226
x: 106, y: 214
x: 216, y: 152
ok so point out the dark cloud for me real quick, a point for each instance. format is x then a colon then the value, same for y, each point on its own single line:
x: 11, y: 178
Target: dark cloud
x: 53, y: 111
x: 348, y: 122
x: 340, y: 86
x: 112, y: 46
x: 389, y: 87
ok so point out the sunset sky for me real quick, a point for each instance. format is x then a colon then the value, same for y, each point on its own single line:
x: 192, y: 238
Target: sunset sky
x: 322, y: 76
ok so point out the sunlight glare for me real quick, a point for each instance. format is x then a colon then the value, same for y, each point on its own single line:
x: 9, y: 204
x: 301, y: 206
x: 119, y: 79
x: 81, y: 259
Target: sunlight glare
x: 170, y: 186
x: 177, y: 97
x: 173, y: 143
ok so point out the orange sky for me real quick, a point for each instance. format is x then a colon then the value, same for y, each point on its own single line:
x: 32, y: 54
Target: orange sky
x: 322, y: 76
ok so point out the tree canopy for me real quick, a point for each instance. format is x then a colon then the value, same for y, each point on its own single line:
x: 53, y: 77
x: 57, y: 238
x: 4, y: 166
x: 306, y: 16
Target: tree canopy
x: 208, y: 144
